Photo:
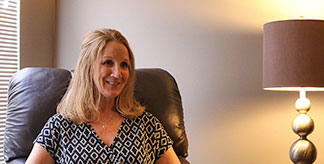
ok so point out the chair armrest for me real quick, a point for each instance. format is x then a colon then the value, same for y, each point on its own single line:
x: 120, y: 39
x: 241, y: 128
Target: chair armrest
x: 183, y: 160
x: 17, y: 161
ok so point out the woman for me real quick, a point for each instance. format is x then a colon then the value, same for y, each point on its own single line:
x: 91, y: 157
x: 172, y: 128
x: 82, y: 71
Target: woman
x: 99, y: 120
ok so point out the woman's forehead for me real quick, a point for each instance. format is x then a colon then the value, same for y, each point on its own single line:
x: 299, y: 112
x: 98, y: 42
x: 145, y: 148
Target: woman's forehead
x: 115, y: 49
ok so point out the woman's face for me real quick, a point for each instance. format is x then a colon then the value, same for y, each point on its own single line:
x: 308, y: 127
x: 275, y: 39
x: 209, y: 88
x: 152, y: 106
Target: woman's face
x: 111, y: 71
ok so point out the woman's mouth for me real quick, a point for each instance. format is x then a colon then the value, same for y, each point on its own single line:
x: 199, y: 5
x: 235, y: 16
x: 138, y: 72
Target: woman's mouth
x: 112, y: 82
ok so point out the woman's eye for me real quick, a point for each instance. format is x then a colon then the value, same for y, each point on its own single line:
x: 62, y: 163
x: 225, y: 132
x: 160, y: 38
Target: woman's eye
x: 108, y: 62
x: 124, y: 65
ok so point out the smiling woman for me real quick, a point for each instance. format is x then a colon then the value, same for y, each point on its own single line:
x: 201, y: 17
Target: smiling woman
x: 99, y: 120
x: 87, y: 86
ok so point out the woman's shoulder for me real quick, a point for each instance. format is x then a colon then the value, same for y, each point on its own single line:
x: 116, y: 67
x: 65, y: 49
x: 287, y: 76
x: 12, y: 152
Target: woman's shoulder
x: 57, y: 117
x: 58, y: 120
x: 146, y: 114
x: 147, y: 118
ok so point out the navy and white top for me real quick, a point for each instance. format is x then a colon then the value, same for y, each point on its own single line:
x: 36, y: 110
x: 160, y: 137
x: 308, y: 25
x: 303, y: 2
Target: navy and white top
x: 141, y: 140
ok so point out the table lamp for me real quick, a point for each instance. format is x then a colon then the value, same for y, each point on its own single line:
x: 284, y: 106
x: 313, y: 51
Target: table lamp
x: 293, y: 60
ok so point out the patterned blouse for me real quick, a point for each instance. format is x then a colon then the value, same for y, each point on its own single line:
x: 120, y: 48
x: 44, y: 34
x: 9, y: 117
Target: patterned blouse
x: 142, y: 140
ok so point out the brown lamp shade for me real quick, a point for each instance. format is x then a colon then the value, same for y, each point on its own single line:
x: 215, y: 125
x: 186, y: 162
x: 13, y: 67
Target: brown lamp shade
x: 293, y: 54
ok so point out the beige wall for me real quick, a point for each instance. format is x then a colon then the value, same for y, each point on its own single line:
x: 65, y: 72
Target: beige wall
x: 37, y: 33
x: 214, y: 50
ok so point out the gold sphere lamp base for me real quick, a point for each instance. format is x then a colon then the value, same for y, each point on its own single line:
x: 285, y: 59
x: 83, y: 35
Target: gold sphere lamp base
x: 303, y: 151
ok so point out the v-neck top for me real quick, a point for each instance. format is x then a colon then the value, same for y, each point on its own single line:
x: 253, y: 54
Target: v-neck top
x: 140, y: 140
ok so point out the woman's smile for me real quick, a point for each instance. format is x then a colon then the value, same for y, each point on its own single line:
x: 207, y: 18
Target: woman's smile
x: 112, y: 83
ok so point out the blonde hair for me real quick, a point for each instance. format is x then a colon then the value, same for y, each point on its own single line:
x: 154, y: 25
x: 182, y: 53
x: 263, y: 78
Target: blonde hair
x: 82, y: 99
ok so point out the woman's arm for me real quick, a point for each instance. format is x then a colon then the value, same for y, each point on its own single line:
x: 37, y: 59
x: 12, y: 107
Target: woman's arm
x: 39, y: 156
x: 169, y: 157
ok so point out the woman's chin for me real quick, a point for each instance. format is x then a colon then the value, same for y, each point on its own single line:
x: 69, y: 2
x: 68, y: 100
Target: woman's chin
x: 111, y: 95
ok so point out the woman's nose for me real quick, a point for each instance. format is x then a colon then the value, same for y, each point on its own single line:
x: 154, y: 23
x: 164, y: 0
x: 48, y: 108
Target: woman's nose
x: 116, y: 72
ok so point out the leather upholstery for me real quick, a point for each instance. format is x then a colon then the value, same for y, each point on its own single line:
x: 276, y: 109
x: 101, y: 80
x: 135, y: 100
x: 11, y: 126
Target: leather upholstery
x: 34, y: 93
x: 157, y: 90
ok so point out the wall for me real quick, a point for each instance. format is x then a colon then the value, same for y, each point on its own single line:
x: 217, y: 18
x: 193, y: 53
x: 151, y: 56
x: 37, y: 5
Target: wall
x: 37, y: 33
x: 214, y: 50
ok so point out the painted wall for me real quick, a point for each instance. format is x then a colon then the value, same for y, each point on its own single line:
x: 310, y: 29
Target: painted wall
x: 214, y: 50
x: 37, y: 33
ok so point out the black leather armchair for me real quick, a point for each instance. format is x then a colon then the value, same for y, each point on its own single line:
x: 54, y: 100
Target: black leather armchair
x: 34, y: 93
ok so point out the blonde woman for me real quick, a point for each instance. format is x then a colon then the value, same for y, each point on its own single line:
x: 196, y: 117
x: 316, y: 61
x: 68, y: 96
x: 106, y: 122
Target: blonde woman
x: 98, y: 119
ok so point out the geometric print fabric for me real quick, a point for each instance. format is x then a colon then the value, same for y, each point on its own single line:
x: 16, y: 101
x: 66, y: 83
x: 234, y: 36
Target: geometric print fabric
x: 142, y: 140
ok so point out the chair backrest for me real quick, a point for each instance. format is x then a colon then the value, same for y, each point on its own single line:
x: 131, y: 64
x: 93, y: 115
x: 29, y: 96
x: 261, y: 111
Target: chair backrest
x: 34, y: 93
x: 157, y: 90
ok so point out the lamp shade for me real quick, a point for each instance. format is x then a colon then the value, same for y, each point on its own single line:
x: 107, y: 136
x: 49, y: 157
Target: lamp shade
x: 293, y: 55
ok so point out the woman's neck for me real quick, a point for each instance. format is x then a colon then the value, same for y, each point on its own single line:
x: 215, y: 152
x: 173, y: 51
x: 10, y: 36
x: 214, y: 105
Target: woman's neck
x: 107, y: 104
x: 107, y: 108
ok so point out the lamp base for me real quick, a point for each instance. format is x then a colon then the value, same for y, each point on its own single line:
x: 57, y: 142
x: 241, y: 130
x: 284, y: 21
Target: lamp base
x: 303, y: 151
